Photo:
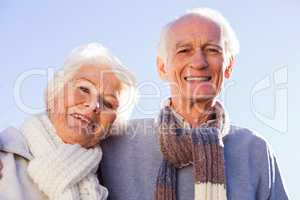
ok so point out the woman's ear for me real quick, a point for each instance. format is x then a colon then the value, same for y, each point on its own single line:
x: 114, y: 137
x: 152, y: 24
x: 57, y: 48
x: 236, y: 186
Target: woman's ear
x: 229, y: 67
x: 161, y: 68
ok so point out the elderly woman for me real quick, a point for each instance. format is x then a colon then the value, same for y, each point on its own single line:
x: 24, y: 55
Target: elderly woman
x: 55, y: 155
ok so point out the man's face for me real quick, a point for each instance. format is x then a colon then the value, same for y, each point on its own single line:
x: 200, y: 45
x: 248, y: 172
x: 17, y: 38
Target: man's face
x: 195, y: 65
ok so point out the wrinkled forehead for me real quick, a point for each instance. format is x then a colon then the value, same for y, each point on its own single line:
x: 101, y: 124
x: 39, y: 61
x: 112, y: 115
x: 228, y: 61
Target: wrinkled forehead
x: 102, y: 77
x: 93, y: 71
x: 194, y: 27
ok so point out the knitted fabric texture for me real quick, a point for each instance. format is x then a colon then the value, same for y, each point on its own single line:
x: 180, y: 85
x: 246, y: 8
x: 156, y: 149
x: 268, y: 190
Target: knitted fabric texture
x: 201, y: 147
x: 62, y: 171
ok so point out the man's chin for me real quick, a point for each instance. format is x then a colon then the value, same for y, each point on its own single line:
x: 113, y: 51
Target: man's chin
x: 201, y: 97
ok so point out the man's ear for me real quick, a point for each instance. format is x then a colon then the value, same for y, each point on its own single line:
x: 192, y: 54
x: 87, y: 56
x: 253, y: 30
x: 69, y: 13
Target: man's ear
x: 230, y: 65
x: 161, y: 68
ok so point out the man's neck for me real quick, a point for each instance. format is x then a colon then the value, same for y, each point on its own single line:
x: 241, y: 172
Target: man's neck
x: 195, y: 112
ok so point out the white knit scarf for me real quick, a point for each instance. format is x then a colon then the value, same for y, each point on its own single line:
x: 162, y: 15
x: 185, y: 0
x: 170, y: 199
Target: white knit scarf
x: 62, y: 171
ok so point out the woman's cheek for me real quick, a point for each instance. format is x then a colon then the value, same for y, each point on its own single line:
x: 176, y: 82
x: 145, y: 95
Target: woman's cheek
x: 107, y: 118
x: 77, y: 98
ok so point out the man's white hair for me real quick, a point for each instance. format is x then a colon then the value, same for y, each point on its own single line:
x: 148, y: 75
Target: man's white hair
x: 94, y: 54
x: 228, y: 35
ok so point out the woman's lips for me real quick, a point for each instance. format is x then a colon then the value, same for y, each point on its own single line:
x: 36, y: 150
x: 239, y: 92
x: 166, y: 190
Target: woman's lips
x: 82, y: 118
x: 89, y: 124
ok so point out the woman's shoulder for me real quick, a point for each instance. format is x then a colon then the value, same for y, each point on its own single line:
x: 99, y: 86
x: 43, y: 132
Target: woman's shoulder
x: 14, y: 154
x: 13, y: 141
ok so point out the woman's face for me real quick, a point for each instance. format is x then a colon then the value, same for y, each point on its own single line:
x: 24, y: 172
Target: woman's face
x: 86, y: 107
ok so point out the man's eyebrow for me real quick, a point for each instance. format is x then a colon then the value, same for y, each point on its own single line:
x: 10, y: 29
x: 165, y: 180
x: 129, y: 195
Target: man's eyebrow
x: 182, y: 44
x: 214, y: 45
x: 187, y: 44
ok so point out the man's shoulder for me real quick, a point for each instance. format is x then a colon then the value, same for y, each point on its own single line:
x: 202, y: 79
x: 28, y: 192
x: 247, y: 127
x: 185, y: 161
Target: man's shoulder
x: 136, y: 128
x: 142, y: 122
x: 142, y: 125
x: 241, y: 139
x: 244, y: 135
x: 146, y: 128
x: 134, y: 132
x: 137, y: 139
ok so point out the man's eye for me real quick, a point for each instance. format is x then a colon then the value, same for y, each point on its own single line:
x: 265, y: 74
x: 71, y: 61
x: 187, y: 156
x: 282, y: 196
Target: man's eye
x: 182, y: 51
x: 213, y: 50
x: 84, y: 89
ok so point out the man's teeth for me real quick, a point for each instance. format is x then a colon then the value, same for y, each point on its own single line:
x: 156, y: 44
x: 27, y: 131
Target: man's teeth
x: 197, y: 78
x: 81, y: 117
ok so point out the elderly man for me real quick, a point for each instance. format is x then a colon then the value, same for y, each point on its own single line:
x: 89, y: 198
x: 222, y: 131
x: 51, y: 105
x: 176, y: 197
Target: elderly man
x: 191, y: 151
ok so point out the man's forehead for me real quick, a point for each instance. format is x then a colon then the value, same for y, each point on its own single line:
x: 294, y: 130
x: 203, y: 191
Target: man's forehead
x: 193, y: 19
x: 194, y: 26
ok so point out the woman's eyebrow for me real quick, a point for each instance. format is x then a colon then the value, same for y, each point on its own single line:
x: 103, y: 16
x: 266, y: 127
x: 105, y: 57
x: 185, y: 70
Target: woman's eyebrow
x: 102, y: 96
x: 111, y: 95
x: 78, y: 78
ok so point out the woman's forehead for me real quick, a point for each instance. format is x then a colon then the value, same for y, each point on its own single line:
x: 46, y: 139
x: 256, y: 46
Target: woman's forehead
x: 93, y: 71
x: 99, y: 76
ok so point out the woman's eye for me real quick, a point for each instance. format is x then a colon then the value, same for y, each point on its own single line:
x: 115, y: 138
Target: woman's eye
x: 107, y: 104
x: 84, y: 89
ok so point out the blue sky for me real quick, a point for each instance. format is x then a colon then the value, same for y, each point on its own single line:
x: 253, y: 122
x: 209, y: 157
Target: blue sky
x: 262, y: 94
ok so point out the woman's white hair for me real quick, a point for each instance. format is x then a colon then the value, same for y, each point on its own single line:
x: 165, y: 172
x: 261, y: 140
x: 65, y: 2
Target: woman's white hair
x: 94, y: 54
x: 231, y: 42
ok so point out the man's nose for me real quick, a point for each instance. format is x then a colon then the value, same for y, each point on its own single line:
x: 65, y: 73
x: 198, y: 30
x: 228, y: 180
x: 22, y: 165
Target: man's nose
x: 199, y: 60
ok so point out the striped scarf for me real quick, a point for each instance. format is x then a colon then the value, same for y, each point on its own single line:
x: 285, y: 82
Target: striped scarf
x: 201, y: 147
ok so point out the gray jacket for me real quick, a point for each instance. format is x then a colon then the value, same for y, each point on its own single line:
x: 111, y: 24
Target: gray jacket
x: 130, y: 165
x: 14, y: 154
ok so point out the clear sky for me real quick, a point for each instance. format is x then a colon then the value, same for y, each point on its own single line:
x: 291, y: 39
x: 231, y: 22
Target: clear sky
x: 262, y: 94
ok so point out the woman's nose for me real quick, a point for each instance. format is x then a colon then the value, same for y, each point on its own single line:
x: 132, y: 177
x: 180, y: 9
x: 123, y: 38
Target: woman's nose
x: 93, y: 105
x: 97, y: 107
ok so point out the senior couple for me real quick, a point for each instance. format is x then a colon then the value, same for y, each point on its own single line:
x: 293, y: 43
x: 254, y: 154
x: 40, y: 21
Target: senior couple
x: 80, y: 148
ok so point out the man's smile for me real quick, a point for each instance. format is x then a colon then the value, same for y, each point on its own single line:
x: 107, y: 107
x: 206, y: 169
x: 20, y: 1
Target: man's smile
x: 197, y: 78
